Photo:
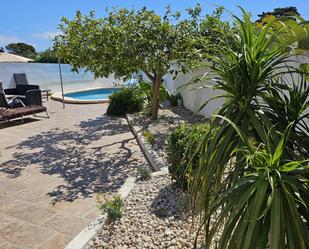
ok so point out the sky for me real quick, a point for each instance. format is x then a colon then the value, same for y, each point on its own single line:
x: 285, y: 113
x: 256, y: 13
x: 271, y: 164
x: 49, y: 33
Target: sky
x: 35, y: 21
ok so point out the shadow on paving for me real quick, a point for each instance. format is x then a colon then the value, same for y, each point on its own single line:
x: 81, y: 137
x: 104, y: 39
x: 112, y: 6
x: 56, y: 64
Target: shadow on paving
x: 86, y: 170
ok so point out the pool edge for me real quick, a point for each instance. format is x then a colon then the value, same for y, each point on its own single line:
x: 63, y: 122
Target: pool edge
x: 58, y: 96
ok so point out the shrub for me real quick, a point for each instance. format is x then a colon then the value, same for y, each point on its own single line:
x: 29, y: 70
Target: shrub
x: 148, y: 136
x: 147, y: 109
x: 113, y: 207
x: 127, y: 100
x: 181, y: 144
x: 144, y: 173
x: 144, y: 88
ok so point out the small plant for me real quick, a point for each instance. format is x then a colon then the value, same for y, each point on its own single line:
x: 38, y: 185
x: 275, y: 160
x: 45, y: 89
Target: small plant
x: 147, y: 109
x: 113, y: 207
x: 127, y: 100
x: 144, y: 173
x: 150, y: 138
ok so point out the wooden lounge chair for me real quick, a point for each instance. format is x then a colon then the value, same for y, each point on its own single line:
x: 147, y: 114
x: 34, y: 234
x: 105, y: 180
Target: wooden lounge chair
x: 20, y: 112
x: 34, y: 106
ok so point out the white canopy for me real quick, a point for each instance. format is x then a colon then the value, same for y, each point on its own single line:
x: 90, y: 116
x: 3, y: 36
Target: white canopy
x: 7, y: 57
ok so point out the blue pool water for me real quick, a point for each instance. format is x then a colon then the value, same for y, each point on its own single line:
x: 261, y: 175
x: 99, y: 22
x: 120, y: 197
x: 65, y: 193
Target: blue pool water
x: 95, y: 94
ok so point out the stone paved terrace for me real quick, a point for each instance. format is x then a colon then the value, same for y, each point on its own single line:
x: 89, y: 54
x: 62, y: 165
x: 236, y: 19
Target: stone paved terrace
x: 51, y: 170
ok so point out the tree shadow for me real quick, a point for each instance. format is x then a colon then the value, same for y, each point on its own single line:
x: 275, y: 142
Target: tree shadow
x: 171, y: 201
x: 86, y: 169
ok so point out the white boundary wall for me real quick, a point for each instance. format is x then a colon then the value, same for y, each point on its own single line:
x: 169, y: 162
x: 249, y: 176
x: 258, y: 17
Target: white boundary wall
x: 194, y: 98
x: 47, y: 76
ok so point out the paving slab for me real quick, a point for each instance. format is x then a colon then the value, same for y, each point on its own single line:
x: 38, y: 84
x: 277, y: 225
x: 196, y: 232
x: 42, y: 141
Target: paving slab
x: 25, y: 235
x: 51, y: 171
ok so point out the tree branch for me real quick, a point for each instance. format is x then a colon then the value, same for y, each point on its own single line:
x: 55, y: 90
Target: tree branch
x: 149, y: 75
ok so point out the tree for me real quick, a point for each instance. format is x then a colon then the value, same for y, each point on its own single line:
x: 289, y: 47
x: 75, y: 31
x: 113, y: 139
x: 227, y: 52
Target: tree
x: 1, y: 50
x: 21, y: 49
x: 130, y: 41
x: 47, y: 56
x: 291, y: 20
x: 285, y: 13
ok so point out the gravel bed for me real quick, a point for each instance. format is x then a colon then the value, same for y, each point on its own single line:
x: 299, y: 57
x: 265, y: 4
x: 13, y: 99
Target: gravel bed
x: 168, y: 120
x: 155, y: 216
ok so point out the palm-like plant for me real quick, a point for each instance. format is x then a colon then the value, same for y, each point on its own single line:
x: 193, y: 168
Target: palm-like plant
x: 248, y: 69
x: 290, y: 106
x: 268, y: 205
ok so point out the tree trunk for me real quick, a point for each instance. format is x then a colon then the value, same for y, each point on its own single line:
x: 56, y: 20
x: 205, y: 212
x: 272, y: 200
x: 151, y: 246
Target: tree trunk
x: 156, y: 82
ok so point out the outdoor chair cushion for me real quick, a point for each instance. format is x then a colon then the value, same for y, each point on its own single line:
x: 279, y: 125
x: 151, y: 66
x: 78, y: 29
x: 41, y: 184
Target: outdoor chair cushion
x: 8, y: 114
x: 20, y: 79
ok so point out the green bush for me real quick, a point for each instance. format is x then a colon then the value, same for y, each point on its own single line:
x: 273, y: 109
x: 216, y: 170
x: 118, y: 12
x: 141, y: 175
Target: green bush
x: 181, y: 144
x: 127, y: 100
x: 144, y: 88
x: 113, y: 207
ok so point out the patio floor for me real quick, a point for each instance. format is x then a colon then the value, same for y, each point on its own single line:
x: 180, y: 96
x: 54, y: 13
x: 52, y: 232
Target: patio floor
x: 51, y: 170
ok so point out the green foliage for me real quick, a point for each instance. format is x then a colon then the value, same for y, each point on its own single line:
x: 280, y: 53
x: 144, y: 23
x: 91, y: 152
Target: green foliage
x: 21, y: 49
x: 150, y: 138
x: 128, y: 41
x: 250, y: 70
x: 47, y: 56
x: 147, y: 109
x: 113, y: 207
x: 290, y: 20
x: 144, y: 88
x: 267, y: 207
x: 144, y: 173
x: 126, y: 100
x: 181, y: 149
x: 287, y: 12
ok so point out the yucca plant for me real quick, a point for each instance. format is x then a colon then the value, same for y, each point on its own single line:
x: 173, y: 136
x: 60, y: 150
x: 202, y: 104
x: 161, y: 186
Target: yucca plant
x: 246, y: 68
x: 267, y: 207
x: 290, y: 105
x: 249, y: 68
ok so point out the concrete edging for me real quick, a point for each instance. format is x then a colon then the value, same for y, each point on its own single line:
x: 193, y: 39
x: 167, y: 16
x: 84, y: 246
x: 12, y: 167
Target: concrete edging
x: 82, y: 239
x: 151, y: 156
x: 58, y: 96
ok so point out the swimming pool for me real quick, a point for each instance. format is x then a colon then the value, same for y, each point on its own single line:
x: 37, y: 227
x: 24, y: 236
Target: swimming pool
x: 88, y: 96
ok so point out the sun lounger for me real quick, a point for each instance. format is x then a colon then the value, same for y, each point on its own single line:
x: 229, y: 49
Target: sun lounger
x: 19, y: 109
x: 21, y: 112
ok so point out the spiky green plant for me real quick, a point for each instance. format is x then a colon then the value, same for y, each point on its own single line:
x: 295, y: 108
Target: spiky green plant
x: 248, y: 69
x: 268, y: 206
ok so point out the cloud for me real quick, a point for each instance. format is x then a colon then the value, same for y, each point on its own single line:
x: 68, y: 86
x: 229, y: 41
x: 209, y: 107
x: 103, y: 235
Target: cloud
x: 6, y: 39
x: 46, y: 35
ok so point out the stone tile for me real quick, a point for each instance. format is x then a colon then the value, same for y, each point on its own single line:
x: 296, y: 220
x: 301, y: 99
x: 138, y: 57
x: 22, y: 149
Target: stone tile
x: 31, y: 213
x: 7, y: 245
x: 5, y: 220
x: 33, y: 176
x: 77, y: 207
x: 4, y: 200
x: 57, y: 242
x: 38, y: 156
x: 10, y: 187
x: 95, y: 213
x: 35, y: 195
x: 25, y: 235
x: 66, y: 224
